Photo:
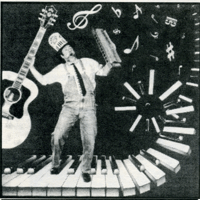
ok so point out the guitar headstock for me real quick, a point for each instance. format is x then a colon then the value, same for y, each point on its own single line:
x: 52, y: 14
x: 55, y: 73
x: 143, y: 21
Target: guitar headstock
x: 48, y: 16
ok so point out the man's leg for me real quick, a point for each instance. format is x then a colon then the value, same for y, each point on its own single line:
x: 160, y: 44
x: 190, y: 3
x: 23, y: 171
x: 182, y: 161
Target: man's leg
x: 88, y: 126
x: 66, y: 120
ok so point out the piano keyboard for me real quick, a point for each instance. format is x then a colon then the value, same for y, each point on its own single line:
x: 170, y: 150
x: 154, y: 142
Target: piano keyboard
x: 110, y: 177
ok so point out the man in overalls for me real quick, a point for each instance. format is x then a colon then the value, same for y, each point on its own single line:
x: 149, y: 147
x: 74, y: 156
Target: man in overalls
x: 79, y: 100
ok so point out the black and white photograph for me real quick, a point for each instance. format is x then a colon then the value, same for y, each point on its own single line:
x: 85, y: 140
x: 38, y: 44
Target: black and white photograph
x: 100, y: 99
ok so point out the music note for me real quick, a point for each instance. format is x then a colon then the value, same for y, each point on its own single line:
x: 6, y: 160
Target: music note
x: 152, y: 16
x: 155, y: 35
x: 81, y: 16
x: 179, y: 70
x: 127, y: 51
x: 116, y: 31
x: 157, y: 59
x: 117, y: 12
x: 133, y: 67
x: 170, y: 52
x: 171, y: 21
x: 136, y: 13
x: 183, y: 36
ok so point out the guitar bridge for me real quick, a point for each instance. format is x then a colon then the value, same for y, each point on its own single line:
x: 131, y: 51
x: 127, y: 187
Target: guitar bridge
x: 7, y: 116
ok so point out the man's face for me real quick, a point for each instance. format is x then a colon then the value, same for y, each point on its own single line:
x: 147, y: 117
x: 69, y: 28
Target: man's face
x: 67, y: 52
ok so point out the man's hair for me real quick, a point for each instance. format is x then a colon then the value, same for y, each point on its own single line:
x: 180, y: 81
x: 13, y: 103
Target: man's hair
x: 70, y: 43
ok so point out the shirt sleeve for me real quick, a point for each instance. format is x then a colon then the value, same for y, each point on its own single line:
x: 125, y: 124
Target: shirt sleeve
x: 99, y: 69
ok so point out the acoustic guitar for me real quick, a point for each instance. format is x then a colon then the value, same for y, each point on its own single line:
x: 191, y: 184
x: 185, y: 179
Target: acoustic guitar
x: 19, y: 91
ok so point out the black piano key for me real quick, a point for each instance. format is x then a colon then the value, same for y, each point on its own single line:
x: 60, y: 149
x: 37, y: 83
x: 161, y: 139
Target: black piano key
x: 64, y: 162
x: 137, y: 163
x: 11, y: 163
x: 23, y: 167
x: 103, y: 165
x: 94, y: 165
x: 149, y: 157
x: 36, y: 168
x: 72, y: 169
x: 114, y: 165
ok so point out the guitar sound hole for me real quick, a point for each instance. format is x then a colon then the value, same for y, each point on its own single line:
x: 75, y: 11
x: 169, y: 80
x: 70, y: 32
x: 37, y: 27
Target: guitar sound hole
x: 12, y: 95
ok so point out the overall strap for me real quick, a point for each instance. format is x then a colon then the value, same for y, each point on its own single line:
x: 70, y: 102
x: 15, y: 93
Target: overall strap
x: 68, y: 74
x: 83, y: 68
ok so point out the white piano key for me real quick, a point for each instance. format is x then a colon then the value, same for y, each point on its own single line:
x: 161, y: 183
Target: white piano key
x: 172, y: 89
x: 153, y: 172
x: 192, y: 84
x: 11, y: 187
x: 151, y: 81
x: 180, y: 130
x: 195, y: 69
x: 185, y: 98
x: 174, y: 146
x: 185, y: 109
x: 155, y: 124
x: 125, y: 181
x: 141, y: 181
x: 40, y: 188
x: 54, y: 187
x: 25, y: 188
x: 131, y: 90
x: 135, y: 123
x: 167, y: 161
x: 69, y: 186
x: 98, y: 183
x: 112, y: 184
x: 9, y: 177
x: 83, y: 188
x: 125, y: 108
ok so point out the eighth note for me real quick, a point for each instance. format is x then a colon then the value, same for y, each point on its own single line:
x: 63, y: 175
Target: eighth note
x: 152, y: 16
x: 155, y: 35
x: 136, y: 13
x: 157, y: 59
x: 179, y: 70
x: 117, y: 12
x: 127, y: 51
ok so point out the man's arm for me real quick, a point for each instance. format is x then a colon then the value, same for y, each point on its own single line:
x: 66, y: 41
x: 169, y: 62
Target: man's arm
x: 104, y: 71
x: 49, y: 78
x: 37, y: 75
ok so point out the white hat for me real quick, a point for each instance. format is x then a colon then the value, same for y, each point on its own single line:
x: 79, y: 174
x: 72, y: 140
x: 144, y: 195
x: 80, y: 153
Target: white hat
x: 57, y: 41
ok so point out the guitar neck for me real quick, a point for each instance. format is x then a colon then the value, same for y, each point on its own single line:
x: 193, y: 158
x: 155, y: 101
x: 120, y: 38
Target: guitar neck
x: 28, y: 59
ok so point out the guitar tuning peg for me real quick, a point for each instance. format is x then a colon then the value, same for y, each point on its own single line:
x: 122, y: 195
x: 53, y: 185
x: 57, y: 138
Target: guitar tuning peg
x: 42, y: 20
x: 54, y: 15
x: 51, y: 24
x: 42, y: 15
x: 44, y: 11
x: 52, y: 19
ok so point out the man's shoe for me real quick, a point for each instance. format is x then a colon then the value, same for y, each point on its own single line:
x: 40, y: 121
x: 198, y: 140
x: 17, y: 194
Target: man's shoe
x: 86, y: 177
x: 54, y: 170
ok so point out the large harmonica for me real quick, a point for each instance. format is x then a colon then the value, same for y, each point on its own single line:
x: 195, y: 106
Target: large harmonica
x: 107, y: 47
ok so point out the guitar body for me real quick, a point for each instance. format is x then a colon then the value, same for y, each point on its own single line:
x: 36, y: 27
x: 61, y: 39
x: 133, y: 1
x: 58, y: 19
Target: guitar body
x: 17, y: 125
x: 19, y: 92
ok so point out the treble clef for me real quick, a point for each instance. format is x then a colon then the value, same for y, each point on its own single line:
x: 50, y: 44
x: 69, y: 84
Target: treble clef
x: 83, y: 16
